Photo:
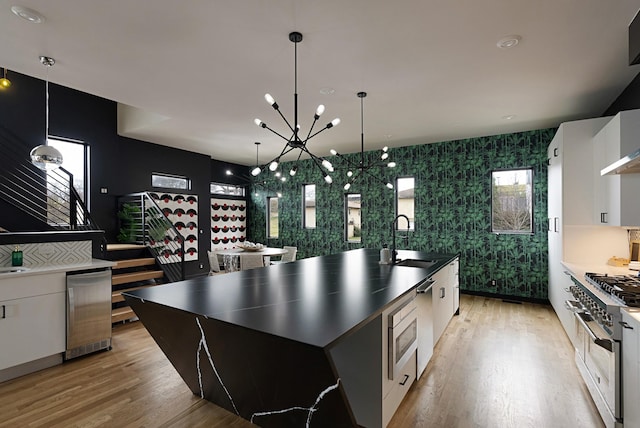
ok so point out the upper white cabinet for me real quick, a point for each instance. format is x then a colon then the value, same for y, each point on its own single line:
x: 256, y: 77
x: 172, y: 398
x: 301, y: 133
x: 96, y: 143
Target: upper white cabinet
x: 615, y: 200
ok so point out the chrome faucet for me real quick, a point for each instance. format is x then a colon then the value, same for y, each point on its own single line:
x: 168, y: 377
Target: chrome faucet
x: 394, y: 223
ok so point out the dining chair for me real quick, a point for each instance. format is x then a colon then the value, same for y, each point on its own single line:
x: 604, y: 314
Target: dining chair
x: 289, y: 256
x: 214, y: 265
x: 251, y: 261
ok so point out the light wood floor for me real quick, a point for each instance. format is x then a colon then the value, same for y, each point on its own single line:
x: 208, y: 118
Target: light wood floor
x: 498, y: 365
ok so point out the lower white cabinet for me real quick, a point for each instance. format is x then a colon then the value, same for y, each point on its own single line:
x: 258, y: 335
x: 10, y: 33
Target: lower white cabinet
x: 32, y: 318
x: 446, y: 297
x: 631, y: 367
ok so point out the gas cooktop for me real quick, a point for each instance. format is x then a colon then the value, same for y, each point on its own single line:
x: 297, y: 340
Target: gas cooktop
x: 625, y: 288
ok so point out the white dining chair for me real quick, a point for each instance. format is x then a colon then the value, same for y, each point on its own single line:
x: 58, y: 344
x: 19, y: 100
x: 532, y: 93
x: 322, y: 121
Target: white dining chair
x: 214, y: 265
x: 251, y: 261
x: 289, y: 256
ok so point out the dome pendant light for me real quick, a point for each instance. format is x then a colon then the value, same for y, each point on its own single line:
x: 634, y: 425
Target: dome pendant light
x: 44, y: 156
x: 295, y: 142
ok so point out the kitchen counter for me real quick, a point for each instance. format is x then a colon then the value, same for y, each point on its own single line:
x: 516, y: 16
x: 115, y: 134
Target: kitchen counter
x: 270, y: 333
x: 46, y: 269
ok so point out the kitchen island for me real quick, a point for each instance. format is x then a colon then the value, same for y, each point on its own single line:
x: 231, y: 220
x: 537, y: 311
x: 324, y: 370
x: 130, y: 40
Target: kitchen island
x: 297, y: 344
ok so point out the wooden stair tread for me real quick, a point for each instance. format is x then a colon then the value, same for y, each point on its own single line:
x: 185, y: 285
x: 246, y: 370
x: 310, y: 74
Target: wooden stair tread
x: 119, y: 247
x: 124, y: 278
x: 128, y: 263
x: 116, y: 296
x: 122, y: 314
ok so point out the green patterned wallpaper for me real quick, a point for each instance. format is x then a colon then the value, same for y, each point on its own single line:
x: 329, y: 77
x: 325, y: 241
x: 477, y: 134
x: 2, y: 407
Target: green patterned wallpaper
x: 453, y: 210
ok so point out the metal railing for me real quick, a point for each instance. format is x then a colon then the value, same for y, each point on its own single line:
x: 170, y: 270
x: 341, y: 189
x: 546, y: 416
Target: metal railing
x: 143, y: 222
x: 48, y: 196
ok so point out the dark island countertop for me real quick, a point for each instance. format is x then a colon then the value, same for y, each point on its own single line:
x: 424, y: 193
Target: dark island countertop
x: 285, y: 344
x: 314, y: 301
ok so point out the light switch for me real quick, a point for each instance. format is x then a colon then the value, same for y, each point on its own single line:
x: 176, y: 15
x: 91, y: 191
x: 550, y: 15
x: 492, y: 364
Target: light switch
x: 104, y: 190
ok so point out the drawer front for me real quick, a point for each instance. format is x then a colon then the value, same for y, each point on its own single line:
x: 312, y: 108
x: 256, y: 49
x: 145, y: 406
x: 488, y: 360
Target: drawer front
x: 399, y: 390
x: 32, y: 285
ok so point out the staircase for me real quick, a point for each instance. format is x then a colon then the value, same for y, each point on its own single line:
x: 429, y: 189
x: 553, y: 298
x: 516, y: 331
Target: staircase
x: 135, y: 269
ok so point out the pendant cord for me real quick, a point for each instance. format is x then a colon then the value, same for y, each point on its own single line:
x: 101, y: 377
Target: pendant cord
x: 362, y: 132
x: 295, y: 92
x: 46, y: 99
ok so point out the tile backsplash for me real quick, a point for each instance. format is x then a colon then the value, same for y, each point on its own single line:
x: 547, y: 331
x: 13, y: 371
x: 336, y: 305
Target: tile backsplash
x: 48, y: 253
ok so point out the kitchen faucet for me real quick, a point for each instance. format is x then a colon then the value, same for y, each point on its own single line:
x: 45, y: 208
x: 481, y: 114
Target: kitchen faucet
x: 394, y: 223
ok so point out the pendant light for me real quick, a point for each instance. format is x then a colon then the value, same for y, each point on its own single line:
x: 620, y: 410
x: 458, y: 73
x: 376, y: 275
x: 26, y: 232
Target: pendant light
x: 361, y: 168
x: 4, y: 81
x: 295, y: 142
x: 45, y: 156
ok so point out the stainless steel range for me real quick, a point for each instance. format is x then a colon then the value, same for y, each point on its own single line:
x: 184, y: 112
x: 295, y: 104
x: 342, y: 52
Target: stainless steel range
x: 598, y: 328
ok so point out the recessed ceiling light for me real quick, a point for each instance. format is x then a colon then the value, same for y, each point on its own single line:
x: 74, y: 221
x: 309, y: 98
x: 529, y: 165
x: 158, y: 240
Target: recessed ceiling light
x: 509, y: 42
x: 27, y: 14
x: 327, y: 91
x: 509, y: 117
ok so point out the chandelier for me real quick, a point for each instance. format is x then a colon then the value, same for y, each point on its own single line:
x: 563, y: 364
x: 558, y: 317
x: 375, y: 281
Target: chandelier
x: 295, y: 142
x: 361, y: 168
x: 44, y: 156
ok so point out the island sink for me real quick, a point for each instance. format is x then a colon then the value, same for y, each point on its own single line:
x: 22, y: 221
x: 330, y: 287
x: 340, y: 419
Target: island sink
x: 417, y: 263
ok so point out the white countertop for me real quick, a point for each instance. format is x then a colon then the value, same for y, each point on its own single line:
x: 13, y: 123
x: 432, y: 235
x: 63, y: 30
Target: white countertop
x: 633, y: 313
x: 578, y: 270
x: 39, y: 270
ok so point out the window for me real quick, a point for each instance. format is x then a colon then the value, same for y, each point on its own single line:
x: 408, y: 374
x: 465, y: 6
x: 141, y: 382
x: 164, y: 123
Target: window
x: 75, y: 155
x: 512, y: 201
x: 168, y: 181
x: 353, y: 224
x: 272, y: 218
x: 309, y: 207
x: 405, y: 201
x: 226, y: 189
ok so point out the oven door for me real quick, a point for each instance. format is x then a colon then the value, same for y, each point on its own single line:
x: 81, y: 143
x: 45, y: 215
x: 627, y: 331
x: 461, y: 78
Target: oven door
x: 602, y: 361
x: 403, y: 337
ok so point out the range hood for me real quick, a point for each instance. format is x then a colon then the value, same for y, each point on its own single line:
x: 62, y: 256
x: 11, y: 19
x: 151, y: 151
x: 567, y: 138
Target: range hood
x: 629, y: 164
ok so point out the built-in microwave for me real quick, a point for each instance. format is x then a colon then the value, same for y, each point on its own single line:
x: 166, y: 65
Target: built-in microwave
x: 403, y: 336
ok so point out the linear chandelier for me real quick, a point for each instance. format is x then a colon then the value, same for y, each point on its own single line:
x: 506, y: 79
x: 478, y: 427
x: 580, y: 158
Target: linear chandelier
x: 361, y: 168
x: 45, y: 156
x: 295, y: 142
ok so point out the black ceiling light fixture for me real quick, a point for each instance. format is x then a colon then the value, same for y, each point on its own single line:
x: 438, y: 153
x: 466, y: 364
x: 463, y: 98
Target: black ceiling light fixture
x: 45, y: 156
x: 295, y: 142
x: 361, y: 167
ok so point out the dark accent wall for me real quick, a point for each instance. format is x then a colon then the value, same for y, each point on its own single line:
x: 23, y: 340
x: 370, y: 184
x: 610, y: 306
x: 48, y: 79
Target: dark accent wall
x: 453, y: 210
x: 122, y: 165
x: 629, y: 99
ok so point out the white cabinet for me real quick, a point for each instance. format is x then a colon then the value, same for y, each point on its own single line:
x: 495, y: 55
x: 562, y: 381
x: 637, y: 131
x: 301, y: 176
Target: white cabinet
x: 571, y: 203
x: 454, y: 283
x: 616, y: 202
x: 631, y: 367
x: 32, y: 318
x: 442, y: 303
x: 424, y: 303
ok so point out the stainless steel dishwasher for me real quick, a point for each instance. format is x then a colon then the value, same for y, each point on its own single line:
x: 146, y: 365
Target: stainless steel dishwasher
x: 88, y: 312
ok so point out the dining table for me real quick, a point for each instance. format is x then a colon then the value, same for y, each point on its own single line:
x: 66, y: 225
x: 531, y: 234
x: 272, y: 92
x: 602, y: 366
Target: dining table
x: 235, y: 259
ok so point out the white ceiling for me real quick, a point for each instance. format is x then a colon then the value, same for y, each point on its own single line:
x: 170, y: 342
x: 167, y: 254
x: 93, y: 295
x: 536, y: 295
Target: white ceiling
x: 192, y: 73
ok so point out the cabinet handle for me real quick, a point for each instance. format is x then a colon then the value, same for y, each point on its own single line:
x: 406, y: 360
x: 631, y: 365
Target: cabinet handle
x: 555, y: 152
x: 548, y: 161
x: 556, y: 227
x: 625, y: 325
x: 442, y: 292
x: 603, y: 218
x: 406, y: 378
x: 4, y: 311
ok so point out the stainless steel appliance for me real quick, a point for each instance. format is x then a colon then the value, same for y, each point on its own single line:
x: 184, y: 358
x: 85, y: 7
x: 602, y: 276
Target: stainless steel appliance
x: 599, y: 337
x: 88, y: 312
x: 403, y: 336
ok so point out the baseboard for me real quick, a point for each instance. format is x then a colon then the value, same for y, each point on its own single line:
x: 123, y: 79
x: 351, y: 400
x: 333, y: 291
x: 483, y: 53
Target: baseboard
x: 507, y: 298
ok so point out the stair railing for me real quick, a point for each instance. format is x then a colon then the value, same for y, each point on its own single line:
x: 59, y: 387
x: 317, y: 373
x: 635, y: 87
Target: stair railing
x: 143, y: 222
x: 48, y: 196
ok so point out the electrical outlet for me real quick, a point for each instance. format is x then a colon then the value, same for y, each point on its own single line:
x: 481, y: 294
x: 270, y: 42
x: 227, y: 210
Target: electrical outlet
x: 493, y: 282
x: 201, y: 266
